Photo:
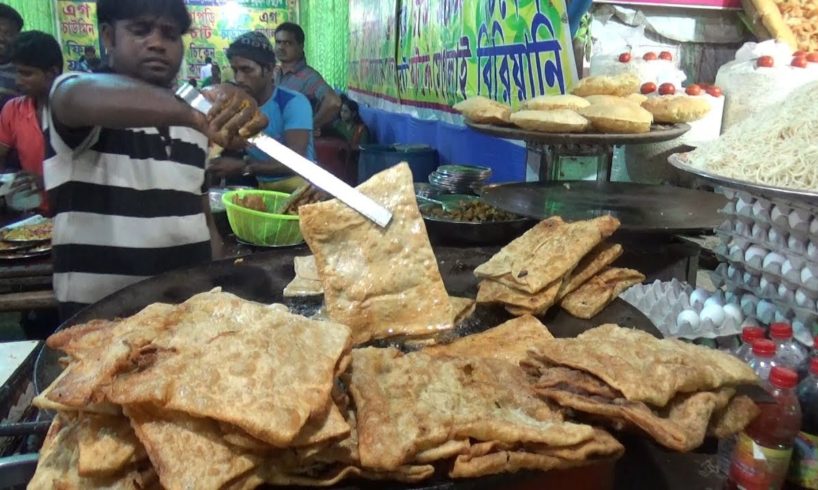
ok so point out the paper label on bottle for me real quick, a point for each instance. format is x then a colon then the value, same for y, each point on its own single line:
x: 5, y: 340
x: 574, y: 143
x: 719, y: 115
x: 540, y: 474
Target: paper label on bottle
x: 804, y: 466
x: 756, y: 467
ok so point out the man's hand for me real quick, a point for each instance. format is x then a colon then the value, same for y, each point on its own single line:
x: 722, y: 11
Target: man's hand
x: 233, y: 118
x: 25, y: 183
x: 223, y: 167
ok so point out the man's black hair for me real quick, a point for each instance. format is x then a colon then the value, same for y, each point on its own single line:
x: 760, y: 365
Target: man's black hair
x: 37, y: 49
x: 12, y: 15
x: 110, y: 11
x: 208, y: 60
x: 294, y: 29
x: 90, y: 49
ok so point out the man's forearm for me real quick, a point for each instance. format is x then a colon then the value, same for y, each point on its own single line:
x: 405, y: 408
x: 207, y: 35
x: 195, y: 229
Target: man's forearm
x: 327, y: 111
x: 115, y: 101
x: 268, y: 167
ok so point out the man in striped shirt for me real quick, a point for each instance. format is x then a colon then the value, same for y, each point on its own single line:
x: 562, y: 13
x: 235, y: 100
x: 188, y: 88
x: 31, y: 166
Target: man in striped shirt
x: 295, y: 74
x: 126, y: 162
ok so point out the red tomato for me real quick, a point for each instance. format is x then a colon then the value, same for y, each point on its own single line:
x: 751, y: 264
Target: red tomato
x: 625, y: 57
x: 800, y: 62
x: 648, y: 88
x: 693, y: 90
x: 714, y: 91
x: 766, y: 62
x: 799, y: 54
x: 665, y: 55
x: 812, y: 57
x: 667, y: 89
x: 649, y: 56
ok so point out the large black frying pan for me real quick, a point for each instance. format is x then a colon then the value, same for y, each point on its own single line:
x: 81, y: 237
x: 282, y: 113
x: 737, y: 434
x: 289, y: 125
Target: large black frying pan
x: 262, y: 277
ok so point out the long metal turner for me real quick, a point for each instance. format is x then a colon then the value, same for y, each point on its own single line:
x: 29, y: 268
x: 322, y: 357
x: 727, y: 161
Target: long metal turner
x: 300, y: 165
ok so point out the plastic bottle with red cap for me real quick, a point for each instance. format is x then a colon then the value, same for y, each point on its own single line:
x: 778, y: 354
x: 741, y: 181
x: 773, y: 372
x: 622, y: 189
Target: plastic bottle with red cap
x: 804, y: 465
x: 803, y: 371
x: 749, y: 335
x: 789, y: 352
x: 763, y: 451
x: 763, y: 358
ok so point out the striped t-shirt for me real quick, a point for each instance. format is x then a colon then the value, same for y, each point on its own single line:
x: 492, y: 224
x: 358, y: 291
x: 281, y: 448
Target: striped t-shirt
x: 127, y: 205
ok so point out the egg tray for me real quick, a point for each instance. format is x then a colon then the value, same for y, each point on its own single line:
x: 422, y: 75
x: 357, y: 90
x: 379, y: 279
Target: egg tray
x: 662, y: 302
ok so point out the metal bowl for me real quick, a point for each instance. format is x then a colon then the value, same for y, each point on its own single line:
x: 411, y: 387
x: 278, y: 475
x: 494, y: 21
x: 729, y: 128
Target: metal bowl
x: 450, y: 232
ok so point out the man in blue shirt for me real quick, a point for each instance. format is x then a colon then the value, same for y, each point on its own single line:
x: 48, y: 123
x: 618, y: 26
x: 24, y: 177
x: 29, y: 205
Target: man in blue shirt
x: 252, y: 59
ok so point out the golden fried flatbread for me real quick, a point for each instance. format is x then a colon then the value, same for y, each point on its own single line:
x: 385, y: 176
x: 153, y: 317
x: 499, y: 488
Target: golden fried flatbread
x: 593, y: 296
x: 643, y: 367
x: 492, y: 458
x: 407, y: 404
x: 624, y: 118
x: 103, y: 352
x: 379, y: 282
x: 307, y: 281
x: 188, y: 452
x: 509, y: 341
x: 546, y: 252
x: 107, y: 445
x: 681, y: 425
x: 73, y: 340
x: 734, y: 418
x: 58, y: 465
x: 673, y: 109
x: 553, y: 102
x: 305, y: 268
x: 552, y: 121
x: 482, y: 110
x: 44, y: 401
x: 535, y: 304
x: 620, y: 85
x: 446, y: 450
x: 268, y: 377
x: 593, y: 263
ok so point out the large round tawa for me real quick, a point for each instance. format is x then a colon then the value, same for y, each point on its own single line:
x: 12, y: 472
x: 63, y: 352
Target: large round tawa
x: 640, y: 208
x: 680, y: 161
x: 658, y: 133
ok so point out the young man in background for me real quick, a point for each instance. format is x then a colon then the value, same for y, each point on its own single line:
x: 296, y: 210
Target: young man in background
x: 295, y: 74
x: 11, y: 23
x: 38, y: 61
x: 126, y: 172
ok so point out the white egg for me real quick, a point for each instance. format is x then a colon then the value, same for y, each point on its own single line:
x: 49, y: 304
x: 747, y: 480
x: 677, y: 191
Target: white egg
x: 761, y: 209
x: 799, y: 220
x: 765, y: 311
x: 744, y: 207
x: 712, y: 313
x: 773, y: 261
x: 759, y: 232
x: 748, y: 304
x: 698, y: 297
x: 786, y: 294
x: 813, y: 226
x: 809, y: 276
x: 797, y: 245
x: 741, y: 228
x: 750, y: 280
x: 802, y: 299
x: 713, y: 300
x: 733, y: 312
x: 812, y: 251
x: 731, y: 271
x: 780, y: 215
x: 687, y: 319
x: 776, y: 237
x: 787, y: 271
x: 754, y: 255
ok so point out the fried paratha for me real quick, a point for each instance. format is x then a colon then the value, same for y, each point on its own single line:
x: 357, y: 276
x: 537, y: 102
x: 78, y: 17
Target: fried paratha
x: 407, y: 404
x: 107, y: 445
x: 644, y: 368
x: 593, y: 263
x: 380, y: 282
x: 593, y: 296
x: 491, y: 291
x: 546, y: 253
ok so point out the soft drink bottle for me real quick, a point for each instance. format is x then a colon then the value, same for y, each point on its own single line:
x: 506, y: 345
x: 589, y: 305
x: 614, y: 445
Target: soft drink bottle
x: 763, y: 358
x: 762, y: 455
x: 748, y: 336
x: 804, y: 466
x: 789, y: 353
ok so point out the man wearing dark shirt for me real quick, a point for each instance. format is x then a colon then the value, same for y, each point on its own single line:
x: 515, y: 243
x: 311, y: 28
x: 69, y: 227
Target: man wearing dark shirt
x: 295, y: 74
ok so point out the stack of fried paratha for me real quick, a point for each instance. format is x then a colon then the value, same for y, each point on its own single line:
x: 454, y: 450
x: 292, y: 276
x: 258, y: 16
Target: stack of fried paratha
x: 675, y: 392
x: 192, y: 391
x: 557, y: 262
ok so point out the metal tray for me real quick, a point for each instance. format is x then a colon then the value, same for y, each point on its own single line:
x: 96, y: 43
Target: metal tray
x: 658, y: 133
x: 680, y: 161
x: 641, y: 208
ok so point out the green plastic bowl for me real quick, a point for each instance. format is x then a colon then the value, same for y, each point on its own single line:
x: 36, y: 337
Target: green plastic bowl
x: 260, y: 228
